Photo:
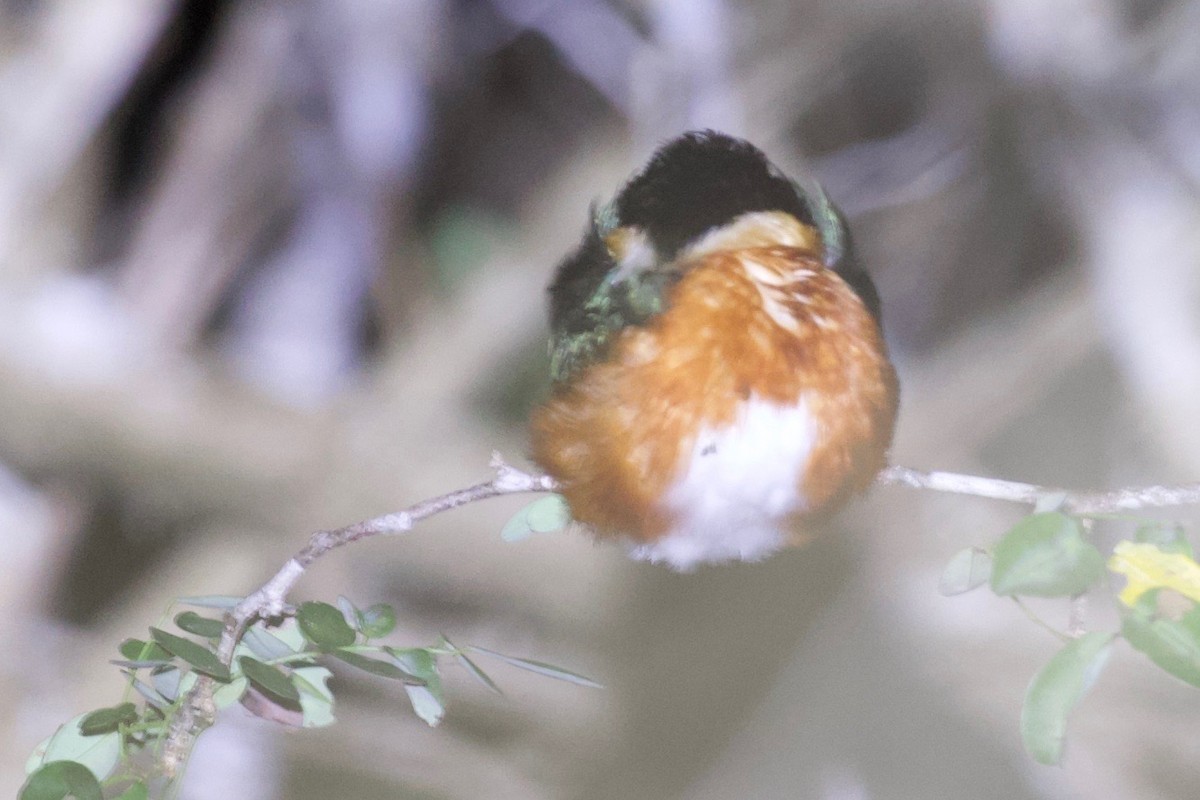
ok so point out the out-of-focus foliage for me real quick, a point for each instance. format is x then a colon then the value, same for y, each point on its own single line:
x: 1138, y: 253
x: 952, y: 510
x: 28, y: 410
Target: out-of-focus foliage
x: 267, y: 267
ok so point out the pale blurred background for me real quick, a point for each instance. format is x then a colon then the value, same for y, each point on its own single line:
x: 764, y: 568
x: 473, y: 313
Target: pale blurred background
x: 270, y: 266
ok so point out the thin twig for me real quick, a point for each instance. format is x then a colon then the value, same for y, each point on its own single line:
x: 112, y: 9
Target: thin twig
x: 198, y: 711
x: 1083, y: 503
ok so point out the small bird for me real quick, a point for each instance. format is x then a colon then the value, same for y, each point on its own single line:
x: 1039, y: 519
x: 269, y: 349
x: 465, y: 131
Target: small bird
x: 720, y: 379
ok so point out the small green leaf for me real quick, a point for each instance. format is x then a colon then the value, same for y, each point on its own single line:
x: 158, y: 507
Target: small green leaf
x: 478, y: 674
x: 201, y: 659
x: 107, y: 720
x: 266, y: 645
x: 139, y: 651
x: 384, y: 669
x: 324, y: 626
x: 1045, y: 555
x: 57, y: 780
x: 1173, y: 646
x: 1168, y: 537
x: 377, y: 621
x: 225, y: 602
x: 316, y: 701
x: 149, y: 694
x: 290, y: 634
x: 416, y: 661
x: 427, y: 705
x: 269, y: 678
x: 229, y: 693
x: 166, y: 682
x: 549, y: 513
x: 548, y: 670
x: 349, y: 611
x: 192, y: 622
x: 470, y: 666
x: 137, y: 791
x: 1056, y: 690
x: 98, y: 753
x: 968, y: 569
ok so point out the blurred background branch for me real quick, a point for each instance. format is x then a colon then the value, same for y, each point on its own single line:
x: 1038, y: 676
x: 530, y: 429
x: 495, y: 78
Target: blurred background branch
x: 267, y: 267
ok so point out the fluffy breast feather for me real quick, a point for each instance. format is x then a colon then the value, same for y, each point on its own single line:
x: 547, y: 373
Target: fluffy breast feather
x: 761, y: 395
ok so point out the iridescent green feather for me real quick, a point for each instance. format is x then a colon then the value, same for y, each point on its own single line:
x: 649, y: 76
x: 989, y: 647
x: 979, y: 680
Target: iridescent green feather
x: 592, y: 299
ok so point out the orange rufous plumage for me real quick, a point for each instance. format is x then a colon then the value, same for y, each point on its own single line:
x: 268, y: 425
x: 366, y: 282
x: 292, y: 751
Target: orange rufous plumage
x: 765, y: 321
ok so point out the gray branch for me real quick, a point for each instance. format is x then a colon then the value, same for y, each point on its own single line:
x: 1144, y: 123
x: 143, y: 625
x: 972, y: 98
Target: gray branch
x: 198, y: 711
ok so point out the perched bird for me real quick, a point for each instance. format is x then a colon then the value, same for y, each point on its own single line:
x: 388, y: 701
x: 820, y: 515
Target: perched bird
x: 720, y: 377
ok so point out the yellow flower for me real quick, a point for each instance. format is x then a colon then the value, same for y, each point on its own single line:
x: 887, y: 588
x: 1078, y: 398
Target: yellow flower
x: 1146, y: 567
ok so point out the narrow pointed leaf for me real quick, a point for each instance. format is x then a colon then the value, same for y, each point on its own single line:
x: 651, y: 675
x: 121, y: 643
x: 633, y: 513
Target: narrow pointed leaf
x: 149, y: 694
x: 324, y: 626
x: 140, y: 651
x: 266, y: 645
x: 269, y: 678
x: 1045, y: 555
x: 478, y: 674
x: 201, y: 659
x: 107, y: 720
x: 548, y: 670
x: 1056, y: 690
x: 166, y: 682
x: 384, y: 669
x: 192, y: 622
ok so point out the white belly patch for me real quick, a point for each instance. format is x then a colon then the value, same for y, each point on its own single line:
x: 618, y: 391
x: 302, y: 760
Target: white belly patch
x: 735, y: 487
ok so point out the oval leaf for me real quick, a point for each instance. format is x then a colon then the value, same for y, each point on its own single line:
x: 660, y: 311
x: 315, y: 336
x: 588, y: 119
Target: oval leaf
x: 266, y: 645
x: 549, y: 513
x: 1056, y: 690
x: 201, y: 659
x: 377, y: 621
x: 384, y: 669
x: 967, y: 570
x: 98, y: 753
x: 1045, y: 555
x: 192, y: 622
x: 324, y: 626
x: 61, y: 779
x: 1173, y: 646
x: 269, y: 678
x: 415, y: 661
x: 106, y: 720
x: 230, y: 693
